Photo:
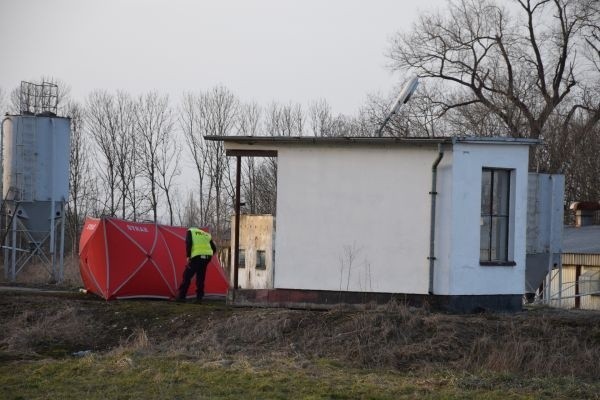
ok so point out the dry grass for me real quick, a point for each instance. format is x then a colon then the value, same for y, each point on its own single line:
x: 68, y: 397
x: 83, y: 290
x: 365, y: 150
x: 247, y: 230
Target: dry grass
x: 392, y: 337
x: 402, y: 338
x: 46, y: 331
x: 536, y: 346
x: 138, y: 342
x: 41, y: 274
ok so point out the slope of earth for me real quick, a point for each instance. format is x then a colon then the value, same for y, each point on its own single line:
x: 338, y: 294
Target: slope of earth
x: 81, y: 345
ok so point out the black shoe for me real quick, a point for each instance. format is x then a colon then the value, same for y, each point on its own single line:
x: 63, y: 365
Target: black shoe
x: 198, y: 301
x: 180, y: 300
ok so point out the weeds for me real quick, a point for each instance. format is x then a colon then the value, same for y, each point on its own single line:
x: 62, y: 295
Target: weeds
x: 52, y: 332
x: 149, y: 377
x: 390, y: 337
x: 39, y: 274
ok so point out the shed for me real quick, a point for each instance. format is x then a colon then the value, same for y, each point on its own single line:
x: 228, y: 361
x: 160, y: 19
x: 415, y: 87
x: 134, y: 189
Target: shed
x: 255, y: 251
x: 576, y: 282
x: 425, y: 220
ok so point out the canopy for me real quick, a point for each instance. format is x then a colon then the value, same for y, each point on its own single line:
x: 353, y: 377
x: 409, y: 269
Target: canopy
x: 123, y: 259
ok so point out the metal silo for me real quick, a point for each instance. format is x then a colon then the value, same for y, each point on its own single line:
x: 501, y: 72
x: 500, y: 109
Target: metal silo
x: 35, y: 188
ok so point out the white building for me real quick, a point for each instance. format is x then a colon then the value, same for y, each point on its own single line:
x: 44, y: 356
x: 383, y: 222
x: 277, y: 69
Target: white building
x: 436, y: 220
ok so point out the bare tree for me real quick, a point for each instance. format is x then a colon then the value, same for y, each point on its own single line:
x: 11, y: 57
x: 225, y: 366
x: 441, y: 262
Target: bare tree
x: 531, y: 72
x: 82, y: 192
x: 190, y: 215
x: 266, y: 186
x: 221, y: 113
x: 110, y: 122
x: 590, y: 106
x: 126, y: 154
x: 210, y: 113
x: 284, y: 120
x: 3, y: 104
x: 321, y: 120
x: 520, y: 69
x: 102, y: 127
x: 154, y: 129
x: 78, y: 165
x: 191, y: 120
x: 168, y: 169
x: 363, y: 124
x: 14, y: 101
x: 249, y: 125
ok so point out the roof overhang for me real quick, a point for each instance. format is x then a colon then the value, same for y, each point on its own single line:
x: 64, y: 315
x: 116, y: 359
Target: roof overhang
x: 266, y: 146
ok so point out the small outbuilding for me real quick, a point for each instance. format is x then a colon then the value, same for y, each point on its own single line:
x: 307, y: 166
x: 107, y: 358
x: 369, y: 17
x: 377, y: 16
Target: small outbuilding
x: 440, y: 221
x: 575, y: 283
x: 255, y: 251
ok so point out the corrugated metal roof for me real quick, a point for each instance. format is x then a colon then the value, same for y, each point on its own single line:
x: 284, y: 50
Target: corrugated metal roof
x: 583, y: 240
x: 581, y: 246
x: 368, y: 140
x: 592, y: 260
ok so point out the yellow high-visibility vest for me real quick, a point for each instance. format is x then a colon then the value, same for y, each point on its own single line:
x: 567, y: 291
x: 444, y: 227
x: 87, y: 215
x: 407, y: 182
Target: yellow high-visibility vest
x: 200, y: 243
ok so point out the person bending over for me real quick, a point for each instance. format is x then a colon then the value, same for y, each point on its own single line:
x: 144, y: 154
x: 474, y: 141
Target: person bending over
x: 199, y: 249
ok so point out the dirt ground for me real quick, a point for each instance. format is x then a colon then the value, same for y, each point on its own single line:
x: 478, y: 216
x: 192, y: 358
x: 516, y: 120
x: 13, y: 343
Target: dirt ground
x: 534, y: 342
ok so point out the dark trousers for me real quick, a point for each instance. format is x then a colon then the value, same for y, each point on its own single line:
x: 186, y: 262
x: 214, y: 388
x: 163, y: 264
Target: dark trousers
x: 196, y: 266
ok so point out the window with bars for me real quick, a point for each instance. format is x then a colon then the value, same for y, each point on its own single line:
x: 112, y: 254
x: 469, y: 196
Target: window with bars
x: 495, y: 217
x: 261, y: 259
x: 242, y: 258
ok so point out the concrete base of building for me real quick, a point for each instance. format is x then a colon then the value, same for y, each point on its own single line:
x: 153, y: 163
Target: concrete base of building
x: 325, y: 299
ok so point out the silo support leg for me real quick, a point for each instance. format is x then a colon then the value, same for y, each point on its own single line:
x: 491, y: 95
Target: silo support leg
x: 13, y: 256
x: 61, y: 274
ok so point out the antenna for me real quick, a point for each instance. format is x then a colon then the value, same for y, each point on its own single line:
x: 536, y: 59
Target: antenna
x: 403, y: 98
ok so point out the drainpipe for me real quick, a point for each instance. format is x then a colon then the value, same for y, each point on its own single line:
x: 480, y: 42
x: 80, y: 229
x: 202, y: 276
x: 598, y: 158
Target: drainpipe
x: 433, y: 194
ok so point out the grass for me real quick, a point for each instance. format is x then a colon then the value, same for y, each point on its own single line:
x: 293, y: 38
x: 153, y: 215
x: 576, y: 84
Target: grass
x: 39, y: 274
x: 158, y: 349
x: 134, y: 376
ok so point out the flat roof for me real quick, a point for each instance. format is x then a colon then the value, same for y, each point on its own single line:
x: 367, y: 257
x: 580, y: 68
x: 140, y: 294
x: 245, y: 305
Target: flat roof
x: 341, y: 140
x: 583, y: 240
x: 581, y: 246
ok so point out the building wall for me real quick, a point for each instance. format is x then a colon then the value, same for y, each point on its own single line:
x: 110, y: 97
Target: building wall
x: 458, y: 271
x: 357, y: 218
x: 256, y: 233
x: 545, y: 218
x: 586, y: 302
x: 443, y: 225
x: 568, y: 287
x: 353, y: 218
x: 590, y: 302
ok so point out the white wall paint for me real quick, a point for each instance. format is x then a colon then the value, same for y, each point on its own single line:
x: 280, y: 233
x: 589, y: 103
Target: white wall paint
x: 443, y: 225
x: 371, y: 204
x: 463, y: 275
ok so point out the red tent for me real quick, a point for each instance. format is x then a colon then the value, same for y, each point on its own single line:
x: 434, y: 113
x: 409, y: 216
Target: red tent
x: 123, y: 259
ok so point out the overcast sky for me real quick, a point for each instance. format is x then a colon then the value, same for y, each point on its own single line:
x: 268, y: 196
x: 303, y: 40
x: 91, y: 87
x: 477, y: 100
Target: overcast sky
x: 262, y: 50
